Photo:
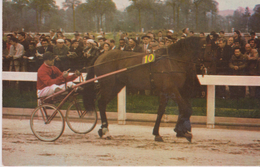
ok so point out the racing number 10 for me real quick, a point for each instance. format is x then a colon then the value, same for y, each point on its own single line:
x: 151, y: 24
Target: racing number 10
x: 148, y: 59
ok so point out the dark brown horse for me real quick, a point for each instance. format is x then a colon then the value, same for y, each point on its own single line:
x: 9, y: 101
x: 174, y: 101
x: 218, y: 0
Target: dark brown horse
x: 172, y: 74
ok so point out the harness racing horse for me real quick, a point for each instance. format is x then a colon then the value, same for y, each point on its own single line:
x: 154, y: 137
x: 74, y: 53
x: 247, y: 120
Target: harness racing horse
x: 172, y: 74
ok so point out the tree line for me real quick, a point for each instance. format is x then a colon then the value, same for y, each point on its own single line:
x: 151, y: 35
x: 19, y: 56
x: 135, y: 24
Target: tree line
x: 96, y: 15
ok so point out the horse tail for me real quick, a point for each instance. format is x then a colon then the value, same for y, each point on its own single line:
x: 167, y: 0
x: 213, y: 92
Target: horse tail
x: 89, y: 93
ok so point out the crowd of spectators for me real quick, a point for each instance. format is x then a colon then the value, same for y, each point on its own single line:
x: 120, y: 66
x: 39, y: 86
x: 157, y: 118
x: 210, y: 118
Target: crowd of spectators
x: 228, y: 55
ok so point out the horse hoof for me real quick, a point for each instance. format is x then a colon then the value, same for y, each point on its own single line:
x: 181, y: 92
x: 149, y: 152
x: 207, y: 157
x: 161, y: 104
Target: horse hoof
x: 186, y: 135
x: 158, y: 138
x: 100, y: 133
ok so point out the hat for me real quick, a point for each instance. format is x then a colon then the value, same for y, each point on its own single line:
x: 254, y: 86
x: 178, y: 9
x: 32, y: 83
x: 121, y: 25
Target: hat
x: 171, y: 31
x: 99, y: 37
x: 60, y: 40
x: 146, y: 36
x: 90, y: 41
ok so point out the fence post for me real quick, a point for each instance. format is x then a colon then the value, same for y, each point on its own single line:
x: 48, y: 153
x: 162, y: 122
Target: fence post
x: 121, y: 107
x: 210, y: 106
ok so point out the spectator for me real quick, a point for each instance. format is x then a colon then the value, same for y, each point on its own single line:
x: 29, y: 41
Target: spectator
x: 222, y: 34
x: 257, y: 41
x: 169, y: 33
x: 76, y: 59
x: 61, y: 51
x: 160, y: 36
x: 68, y: 42
x: 133, y: 46
x: 112, y: 44
x: 231, y: 42
x: 6, y: 50
x: 101, y: 41
x: 30, y: 55
x: 59, y: 35
x: 48, y: 38
x: 137, y: 38
x: 238, y: 64
x: 191, y: 33
x: 40, y: 51
x: 53, y: 35
x: 15, y: 54
x: 224, y: 53
x: 90, y: 53
x: 152, y: 37
x: 212, y: 39
x: 253, y: 44
x: 106, y: 48
x: 202, y: 35
x: 78, y: 38
x: 146, y: 48
x: 185, y: 32
x: 161, y: 44
x: 252, y: 56
x: 122, y: 45
x: 238, y: 37
x: 223, y: 56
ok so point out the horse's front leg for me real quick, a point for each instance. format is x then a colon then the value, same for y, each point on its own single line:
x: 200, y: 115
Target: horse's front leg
x: 103, y: 131
x: 160, y: 112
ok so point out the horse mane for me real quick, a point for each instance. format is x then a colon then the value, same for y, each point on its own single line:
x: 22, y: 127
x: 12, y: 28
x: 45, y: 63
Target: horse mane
x: 184, y: 46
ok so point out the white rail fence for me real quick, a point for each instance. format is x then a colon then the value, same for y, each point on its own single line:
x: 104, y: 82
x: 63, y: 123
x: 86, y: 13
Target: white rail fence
x: 210, y: 80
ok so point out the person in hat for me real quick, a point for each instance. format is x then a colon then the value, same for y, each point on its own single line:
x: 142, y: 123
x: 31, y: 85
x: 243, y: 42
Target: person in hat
x: 91, y: 52
x: 78, y: 38
x: 169, y: 33
x: 50, y: 79
x: 146, y: 48
x: 133, y: 46
x: 254, y: 37
x: 61, y: 52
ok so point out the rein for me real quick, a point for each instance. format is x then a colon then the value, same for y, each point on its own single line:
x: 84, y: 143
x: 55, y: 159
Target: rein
x: 128, y: 57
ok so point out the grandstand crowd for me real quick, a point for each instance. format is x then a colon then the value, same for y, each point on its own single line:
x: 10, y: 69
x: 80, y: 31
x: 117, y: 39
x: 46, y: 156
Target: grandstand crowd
x: 233, y: 55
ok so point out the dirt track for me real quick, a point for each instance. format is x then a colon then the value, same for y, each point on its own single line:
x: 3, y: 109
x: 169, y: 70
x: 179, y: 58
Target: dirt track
x: 131, y: 145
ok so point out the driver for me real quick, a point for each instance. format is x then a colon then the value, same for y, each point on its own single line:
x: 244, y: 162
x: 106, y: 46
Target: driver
x: 50, y: 79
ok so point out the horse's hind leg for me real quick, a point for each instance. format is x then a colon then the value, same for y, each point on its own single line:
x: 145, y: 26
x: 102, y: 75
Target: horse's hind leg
x: 107, y: 94
x: 161, y: 111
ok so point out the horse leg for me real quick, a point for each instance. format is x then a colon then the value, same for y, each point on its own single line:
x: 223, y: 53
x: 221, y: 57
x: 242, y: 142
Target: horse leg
x: 106, y: 96
x: 183, y: 125
x: 160, y: 112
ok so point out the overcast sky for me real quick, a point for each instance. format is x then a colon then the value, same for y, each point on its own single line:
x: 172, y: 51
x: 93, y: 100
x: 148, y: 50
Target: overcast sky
x: 223, y: 4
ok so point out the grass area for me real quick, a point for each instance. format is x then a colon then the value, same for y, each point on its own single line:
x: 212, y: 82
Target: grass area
x: 244, y: 108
